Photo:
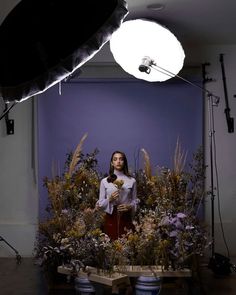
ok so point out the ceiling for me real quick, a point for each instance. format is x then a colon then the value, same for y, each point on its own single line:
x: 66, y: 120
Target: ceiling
x: 194, y: 22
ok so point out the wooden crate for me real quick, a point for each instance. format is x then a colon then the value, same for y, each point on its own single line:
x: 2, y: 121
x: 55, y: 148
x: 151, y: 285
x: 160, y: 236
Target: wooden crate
x: 99, y: 276
x: 138, y: 270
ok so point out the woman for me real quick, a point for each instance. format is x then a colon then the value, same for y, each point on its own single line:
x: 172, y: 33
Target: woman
x: 118, y: 197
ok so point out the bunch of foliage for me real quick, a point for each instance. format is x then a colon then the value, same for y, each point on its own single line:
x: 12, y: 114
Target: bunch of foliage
x: 167, y: 228
x: 73, y: 219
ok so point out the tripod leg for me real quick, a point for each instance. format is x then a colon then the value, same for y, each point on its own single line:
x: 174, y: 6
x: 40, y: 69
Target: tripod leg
x: 18, y: 257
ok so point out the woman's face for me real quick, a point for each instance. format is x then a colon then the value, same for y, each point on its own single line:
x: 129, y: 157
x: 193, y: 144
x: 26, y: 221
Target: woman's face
x: 118, y: 161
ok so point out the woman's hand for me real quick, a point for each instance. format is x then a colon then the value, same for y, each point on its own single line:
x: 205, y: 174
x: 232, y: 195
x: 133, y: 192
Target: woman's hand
x: 123, y: 207
x: 114, y: 196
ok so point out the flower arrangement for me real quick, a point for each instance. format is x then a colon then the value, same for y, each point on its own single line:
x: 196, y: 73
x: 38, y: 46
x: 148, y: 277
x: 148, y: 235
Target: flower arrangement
x: 168, y: 221
x: 167, y: 228
x: 118, y: 183
x: 73, y: 224
x: 172, y: 199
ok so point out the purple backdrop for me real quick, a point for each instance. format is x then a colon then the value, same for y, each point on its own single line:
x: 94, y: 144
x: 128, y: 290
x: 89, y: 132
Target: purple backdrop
x: 116, y: 114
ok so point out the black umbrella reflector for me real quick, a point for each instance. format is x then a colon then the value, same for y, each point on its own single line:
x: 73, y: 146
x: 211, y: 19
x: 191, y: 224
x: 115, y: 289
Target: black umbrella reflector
x: 44, y: 41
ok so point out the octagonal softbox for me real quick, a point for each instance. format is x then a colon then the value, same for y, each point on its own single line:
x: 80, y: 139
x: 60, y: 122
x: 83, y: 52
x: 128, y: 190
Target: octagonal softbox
x: 44, y: 41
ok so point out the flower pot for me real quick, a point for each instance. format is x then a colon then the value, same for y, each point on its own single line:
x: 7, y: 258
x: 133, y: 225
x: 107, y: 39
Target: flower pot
x: 83, y: 286
x: 148, y: 285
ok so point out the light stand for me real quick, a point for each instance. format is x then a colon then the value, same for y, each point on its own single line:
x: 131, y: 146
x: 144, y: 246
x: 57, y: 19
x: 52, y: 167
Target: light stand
x: 5, y: 114
x: 147, y: 64
x: 18, y: 257
x: 212, y: 101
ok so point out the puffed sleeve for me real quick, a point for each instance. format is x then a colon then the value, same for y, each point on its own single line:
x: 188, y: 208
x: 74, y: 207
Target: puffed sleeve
x: 103, y: 201
x: 134, y: 199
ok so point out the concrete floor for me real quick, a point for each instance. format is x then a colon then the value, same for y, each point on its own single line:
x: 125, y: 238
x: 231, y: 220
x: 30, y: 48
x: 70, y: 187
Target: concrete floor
x: 26, y: 278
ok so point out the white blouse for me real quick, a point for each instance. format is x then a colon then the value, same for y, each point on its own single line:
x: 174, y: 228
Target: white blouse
x: 127, y: 193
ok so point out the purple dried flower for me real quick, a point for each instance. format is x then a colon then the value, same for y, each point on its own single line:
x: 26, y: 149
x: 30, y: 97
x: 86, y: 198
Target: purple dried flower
x: 166, y: 221
x: 189, y: 227
x: 178, y: 224
x: 173, y: 233
x: 64, y: 211
x: 181, y: 215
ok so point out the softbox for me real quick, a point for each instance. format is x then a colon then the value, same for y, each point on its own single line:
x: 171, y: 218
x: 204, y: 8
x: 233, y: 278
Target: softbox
x: 44, y: 41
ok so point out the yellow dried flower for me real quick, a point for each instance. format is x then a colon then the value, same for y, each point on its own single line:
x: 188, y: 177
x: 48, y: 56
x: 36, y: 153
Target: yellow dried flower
x: 133, y: 238
x: 96, y: 232
x: 118, y: 183
x: 118, y: 246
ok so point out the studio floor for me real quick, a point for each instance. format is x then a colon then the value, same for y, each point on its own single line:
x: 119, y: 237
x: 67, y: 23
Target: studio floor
x: 27, y: 278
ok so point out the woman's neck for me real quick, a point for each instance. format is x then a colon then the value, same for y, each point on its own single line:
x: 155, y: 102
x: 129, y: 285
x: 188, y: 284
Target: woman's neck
x: 118, y: 172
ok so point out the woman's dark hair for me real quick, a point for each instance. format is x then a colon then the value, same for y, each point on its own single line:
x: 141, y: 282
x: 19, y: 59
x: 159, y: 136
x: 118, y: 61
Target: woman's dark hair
x: 112, y: 177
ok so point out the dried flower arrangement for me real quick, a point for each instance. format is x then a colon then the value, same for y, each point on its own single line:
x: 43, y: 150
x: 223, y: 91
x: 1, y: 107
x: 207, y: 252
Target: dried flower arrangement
x: 118, y: 183
x: 168, y: 222
x: 73, y: 221
x: 167, y: 231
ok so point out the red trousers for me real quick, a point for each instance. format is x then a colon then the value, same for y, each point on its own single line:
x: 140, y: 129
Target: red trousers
x: 117, y: 222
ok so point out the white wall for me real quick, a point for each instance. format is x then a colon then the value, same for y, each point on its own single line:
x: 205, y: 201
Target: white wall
x: 18, y: 192
x: 225, y: 143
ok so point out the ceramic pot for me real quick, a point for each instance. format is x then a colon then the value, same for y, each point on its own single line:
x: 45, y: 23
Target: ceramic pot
x: 148, y: 285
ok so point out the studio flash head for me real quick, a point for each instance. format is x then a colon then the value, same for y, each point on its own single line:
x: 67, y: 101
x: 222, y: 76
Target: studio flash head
x: 145, y: 66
